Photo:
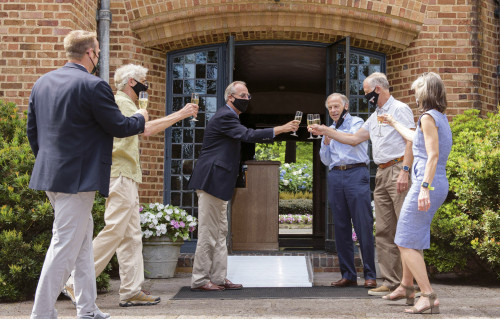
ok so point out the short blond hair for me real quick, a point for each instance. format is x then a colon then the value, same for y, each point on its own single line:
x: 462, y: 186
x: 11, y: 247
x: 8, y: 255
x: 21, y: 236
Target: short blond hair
x: 77, y: 42
x: 127, y: 72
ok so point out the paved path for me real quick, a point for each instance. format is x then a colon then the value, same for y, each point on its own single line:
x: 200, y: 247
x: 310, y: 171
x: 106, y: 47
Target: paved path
x: 459, y: 299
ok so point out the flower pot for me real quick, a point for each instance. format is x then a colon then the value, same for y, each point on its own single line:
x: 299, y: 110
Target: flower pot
x: 160, y: 256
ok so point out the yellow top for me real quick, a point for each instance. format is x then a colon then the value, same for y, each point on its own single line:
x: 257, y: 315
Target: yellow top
x: 126, y: 150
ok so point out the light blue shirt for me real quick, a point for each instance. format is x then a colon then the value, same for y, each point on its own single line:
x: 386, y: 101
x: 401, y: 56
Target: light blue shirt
x: 337, y: 154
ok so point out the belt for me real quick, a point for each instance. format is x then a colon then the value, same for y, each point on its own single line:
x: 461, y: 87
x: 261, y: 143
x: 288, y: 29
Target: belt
x: 348, y: 166
x: 390, y: 163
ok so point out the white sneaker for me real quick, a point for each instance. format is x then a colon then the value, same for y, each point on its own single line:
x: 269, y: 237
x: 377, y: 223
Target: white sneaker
x: 98, y: 314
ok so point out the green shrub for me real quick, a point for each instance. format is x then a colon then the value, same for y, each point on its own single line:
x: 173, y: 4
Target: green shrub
x: 466, y: 229
x: 296, y: 178
x: 26, y: 215
x: 288, y: 195
x: 295, y: 206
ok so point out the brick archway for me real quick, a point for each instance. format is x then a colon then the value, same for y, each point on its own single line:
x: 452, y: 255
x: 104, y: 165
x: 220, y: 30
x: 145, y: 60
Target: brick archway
x: 372, y: 25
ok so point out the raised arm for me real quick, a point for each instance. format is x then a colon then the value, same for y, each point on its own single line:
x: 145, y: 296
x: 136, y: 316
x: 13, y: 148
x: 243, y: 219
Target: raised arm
x: 159, y: 125
x: 346, y: 138
x: 431, y: 139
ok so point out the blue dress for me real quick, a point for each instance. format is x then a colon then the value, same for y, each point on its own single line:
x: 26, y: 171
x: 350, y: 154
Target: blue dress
x: 414, y: 226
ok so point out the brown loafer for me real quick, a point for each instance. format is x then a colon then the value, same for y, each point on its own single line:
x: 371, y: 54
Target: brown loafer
x: 209, y: 286
x: 344, y: 283
x: 370, y: 283
x: 230, y: 286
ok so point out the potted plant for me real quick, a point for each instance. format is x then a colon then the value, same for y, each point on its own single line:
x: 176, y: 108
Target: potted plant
x: 164, y: 229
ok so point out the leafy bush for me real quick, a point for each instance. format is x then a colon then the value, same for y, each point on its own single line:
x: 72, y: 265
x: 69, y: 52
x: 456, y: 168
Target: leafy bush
x: 276, y: 152
x: 295, y: 178
x: 295, y: 206
x: 26, y: 215
x: 466, y: 229
x: 288, y: 195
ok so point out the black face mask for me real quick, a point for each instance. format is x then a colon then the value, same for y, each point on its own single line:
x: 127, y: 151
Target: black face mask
x: 241, y: 104
x: 139, y: 87
x: 96, y: 66
x: 371, y: 95
x: 341, y: 119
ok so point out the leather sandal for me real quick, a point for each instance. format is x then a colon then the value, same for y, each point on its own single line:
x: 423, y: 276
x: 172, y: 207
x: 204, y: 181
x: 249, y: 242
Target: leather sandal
x: 432, y: 308
x: 409, y: 290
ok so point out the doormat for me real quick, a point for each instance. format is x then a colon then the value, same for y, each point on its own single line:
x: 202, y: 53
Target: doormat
x: 319, y: 292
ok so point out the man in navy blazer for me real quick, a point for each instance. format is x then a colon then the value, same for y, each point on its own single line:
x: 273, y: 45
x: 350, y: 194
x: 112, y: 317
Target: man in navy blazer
x: 214, y: 178
x: 72, y: 119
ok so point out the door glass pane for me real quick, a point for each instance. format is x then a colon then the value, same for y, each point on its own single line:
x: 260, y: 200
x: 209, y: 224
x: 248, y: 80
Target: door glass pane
x: 195, y: 71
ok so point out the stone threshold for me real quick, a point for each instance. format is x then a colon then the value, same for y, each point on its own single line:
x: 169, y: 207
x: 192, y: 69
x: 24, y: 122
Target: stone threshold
x: 321, y: 261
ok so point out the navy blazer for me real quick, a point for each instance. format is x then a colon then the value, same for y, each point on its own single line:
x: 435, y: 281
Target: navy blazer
x: 216, y: 169
x: 72, y: 119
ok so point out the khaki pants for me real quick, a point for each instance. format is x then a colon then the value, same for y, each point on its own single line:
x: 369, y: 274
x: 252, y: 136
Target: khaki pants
x: 122, y: 234
x: 210, y: 259
x: 388, y: 205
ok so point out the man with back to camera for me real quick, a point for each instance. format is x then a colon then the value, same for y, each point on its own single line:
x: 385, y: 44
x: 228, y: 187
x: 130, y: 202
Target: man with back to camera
x: 349, y: 194
x: 394, y: 156
x: 72, y: 119
x: 122, y: 231
x: 214, y: 179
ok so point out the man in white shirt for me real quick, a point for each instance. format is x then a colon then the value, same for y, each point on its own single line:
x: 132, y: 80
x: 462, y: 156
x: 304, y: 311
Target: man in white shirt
x: 394, y: 157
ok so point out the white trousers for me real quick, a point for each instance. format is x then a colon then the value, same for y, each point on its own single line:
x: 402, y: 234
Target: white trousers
x: 70, y: 248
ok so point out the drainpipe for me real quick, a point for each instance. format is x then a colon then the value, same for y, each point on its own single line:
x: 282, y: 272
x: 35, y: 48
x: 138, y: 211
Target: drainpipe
x: 104, y: 20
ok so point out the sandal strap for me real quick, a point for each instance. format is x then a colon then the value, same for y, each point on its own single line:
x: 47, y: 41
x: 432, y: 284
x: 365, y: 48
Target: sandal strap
x: 409, y: 290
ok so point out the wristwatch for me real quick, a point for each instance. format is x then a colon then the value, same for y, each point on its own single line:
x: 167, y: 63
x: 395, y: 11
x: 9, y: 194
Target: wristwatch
x: 426, y: 185
x: 406, y: 168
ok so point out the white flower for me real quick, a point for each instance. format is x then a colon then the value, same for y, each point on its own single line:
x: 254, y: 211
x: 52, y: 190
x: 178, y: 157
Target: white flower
x: 286, y: 165
x: 169, y: 211
x: 161, y: 206
x: 151, y: 206
x: 189, y: 218
x: 286, y: 182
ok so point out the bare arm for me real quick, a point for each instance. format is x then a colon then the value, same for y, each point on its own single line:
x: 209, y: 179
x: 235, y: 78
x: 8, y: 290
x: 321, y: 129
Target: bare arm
x: 404, y: 177
x: 346, y: 138
x: 155, y: 126
x: 431, y: 140
x: 405, y: 132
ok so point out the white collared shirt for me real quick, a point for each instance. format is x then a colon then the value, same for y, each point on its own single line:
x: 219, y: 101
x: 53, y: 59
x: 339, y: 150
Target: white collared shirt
x: 391, y: 145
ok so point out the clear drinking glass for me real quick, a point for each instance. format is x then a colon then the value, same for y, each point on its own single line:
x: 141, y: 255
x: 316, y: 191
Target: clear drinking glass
x: 195, y: 99
x: 298, y: 117
x: 143, y: 100
x: 380, y: 120
x: 317, y: 120
x: 310, y: 121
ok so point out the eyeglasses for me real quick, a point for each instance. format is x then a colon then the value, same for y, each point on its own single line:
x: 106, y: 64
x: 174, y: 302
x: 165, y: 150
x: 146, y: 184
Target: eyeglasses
x: 145, y: 83
x: 243, y: 96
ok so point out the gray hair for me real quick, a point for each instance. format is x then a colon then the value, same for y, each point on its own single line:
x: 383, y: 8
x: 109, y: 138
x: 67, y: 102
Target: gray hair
x: 230, y: 89
x: 127, y: 72
x: 343, y: 98
x: 430, y: 92
x: 377, y: 78
x: 77, y: 42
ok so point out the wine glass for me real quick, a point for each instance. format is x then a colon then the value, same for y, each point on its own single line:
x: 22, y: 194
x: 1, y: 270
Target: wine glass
x: 310, y: 121
x: 317, y: 120
x: 195, y: 99
x: 380, y: 120
x: 143, y: 100
x: 298, y: 117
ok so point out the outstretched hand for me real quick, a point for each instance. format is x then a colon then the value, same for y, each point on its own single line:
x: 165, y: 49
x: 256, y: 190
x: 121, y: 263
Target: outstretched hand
x: 291, y: 126
x: 144, y: 113
x: 317, y: 129
x: 190, y: 109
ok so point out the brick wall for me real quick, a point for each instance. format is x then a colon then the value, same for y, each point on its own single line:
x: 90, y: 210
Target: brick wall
x: 460, y: 41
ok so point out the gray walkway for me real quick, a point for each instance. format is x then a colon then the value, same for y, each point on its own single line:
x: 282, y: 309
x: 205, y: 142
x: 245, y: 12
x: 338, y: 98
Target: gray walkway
x: 458, y: 300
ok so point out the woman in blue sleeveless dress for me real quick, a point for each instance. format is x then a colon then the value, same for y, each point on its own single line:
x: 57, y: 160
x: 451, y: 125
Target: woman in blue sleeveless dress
x: 431, y: 146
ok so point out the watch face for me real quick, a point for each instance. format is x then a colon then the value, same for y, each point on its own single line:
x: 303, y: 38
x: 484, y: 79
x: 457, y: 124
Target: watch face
x: 425, y: 184
x: 406, y: 168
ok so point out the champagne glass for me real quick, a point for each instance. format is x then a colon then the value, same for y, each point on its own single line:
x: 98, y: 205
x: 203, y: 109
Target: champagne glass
x: 298, y: 117
x: 195, y: 99
x: 380, y: 120
x: 143, y: 100
x: 310, y: 121
x: 317, y: 120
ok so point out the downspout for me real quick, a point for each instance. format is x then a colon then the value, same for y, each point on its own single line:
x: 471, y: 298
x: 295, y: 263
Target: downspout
x: 104, y: 21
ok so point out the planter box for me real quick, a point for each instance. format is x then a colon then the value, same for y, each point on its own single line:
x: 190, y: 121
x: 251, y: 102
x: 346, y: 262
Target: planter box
x: 160, y: 257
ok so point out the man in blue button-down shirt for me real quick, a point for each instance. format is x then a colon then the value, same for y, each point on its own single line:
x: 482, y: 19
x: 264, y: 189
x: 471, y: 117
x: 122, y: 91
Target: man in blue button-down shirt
x: 349, y: 193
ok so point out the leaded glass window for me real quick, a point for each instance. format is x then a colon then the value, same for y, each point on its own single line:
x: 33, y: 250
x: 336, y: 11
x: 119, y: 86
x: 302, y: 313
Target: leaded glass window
x: 189, y: 72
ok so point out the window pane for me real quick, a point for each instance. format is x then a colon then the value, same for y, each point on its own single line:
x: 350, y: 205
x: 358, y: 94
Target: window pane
x: 177, y: 71
x: 189, y: 70
x: 201, y: 86
x: 211, y: 71
x: 201, y: 57
x: 201, y: 71
x: 177, y: 89
x: 212, y: 56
